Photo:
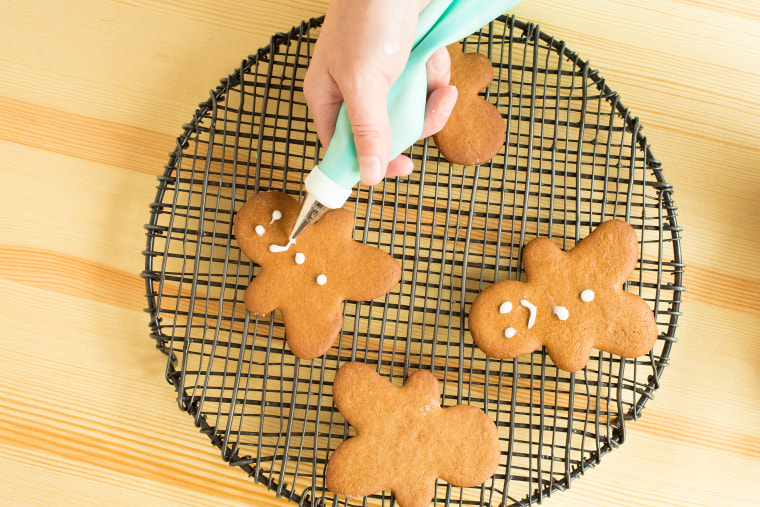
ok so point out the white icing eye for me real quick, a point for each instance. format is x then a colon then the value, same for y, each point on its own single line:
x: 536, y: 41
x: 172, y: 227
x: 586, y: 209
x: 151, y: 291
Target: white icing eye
x: 587, y: 296
x: 321, y: 280
x: 505, y: 307
x: 260, y: 230
x: 300, y: 258
x: 276, y: 215
x: 510, y: 332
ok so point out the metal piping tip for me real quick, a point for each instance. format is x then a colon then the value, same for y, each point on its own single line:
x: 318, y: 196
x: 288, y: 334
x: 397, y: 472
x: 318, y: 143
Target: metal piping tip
x: 311, y: 210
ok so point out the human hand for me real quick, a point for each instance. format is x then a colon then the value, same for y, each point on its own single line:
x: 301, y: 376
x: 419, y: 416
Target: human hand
x: 362, y: 49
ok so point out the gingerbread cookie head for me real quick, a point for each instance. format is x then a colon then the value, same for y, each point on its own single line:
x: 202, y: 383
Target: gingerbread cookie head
x: 475, y: 131
x: 405, y: 440
x: 571, y: 302
x: 308, y: 280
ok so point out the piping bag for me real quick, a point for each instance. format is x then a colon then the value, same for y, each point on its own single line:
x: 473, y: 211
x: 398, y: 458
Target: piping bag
x: 440, y: 23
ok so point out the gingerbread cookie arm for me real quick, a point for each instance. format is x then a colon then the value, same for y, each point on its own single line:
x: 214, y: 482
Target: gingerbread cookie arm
x: 475, y: 454
x: 380, y: 273
x: 635, y: 329
x: 612, y: 249
x: 541, y: 257
x: 358, y: 391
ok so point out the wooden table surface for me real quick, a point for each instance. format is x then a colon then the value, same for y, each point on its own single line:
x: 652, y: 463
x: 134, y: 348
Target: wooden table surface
x: 92, y: 96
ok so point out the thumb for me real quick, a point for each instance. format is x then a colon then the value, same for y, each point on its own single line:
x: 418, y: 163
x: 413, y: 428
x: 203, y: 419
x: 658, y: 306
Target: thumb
x: 367, y: 108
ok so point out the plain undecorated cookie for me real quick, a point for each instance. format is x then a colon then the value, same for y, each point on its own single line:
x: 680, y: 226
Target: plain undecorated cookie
x: 309, y: 281
x: 571, y: 302
x: 475, y: 131
x: 405, y: 440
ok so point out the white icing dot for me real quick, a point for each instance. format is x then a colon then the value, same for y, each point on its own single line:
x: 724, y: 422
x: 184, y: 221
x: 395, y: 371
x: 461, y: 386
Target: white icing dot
x: 510, y: 332
x: 321, y: 279
x: 276, y: 215
x: 259, y: 230
x: 561, y: 312
x: 300, y: 258
x: 587, y: 296
x: 505, y: 307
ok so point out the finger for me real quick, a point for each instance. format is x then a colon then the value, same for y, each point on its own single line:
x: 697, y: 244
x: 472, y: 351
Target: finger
x: 367, y: 108
x: 438, y: 70
x: 400, y: 166
x: 323, y: 99
x: 438, y: 109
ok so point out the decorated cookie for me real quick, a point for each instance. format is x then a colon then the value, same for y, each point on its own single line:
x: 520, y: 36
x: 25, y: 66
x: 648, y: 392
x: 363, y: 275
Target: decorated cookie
x: 405, y: 440
x: 308, y: 280
x: 475, y: 131
x: 571, y: 302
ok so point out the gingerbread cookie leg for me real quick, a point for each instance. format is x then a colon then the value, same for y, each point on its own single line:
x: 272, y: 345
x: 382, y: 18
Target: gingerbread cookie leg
x: 475, y: 130
x: 405, y: 440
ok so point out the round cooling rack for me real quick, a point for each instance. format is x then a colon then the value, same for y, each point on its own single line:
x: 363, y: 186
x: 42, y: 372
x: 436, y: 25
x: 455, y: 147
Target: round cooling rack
x: 574, y: 158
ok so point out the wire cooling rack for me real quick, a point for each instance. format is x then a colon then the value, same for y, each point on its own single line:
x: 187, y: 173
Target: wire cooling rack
x: 574, y: 157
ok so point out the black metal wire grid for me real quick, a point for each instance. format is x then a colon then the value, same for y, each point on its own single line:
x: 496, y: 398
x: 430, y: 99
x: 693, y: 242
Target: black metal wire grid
x: 574, y: 158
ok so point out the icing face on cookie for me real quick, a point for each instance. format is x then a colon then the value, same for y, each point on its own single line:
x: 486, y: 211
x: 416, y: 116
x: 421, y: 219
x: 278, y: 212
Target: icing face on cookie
x: 560, y: 312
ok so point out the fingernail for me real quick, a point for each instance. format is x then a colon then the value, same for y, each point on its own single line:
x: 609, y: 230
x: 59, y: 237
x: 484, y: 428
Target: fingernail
x: 439, y: 61
x: 409, y: 167
x: 370, y: 170
x: 450, y: 100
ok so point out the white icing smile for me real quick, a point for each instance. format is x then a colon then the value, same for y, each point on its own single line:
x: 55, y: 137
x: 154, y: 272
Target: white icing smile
x: 530, y: 306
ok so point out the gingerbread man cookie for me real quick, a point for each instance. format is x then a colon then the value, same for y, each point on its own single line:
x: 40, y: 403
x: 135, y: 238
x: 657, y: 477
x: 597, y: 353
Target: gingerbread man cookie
x: 475, y: 131
x: 309, y: 279
x: 571, y: 302
x: 405, y: 440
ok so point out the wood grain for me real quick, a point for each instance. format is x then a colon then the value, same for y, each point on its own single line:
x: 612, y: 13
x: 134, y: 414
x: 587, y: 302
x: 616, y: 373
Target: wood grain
x: 93, y: 95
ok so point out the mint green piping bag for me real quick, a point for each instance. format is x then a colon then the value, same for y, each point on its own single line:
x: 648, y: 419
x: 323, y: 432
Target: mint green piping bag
x: 441, y: 23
